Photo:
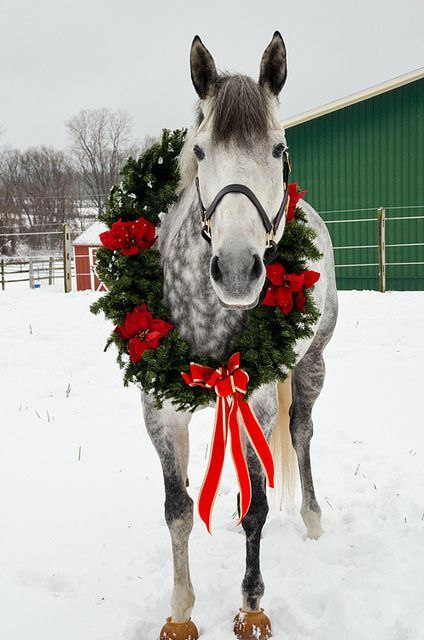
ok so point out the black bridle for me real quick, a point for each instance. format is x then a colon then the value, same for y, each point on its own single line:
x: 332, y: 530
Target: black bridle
x: 270, y: 227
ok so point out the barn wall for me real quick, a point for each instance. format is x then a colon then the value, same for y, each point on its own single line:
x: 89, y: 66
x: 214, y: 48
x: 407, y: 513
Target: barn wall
x: 364, y: 156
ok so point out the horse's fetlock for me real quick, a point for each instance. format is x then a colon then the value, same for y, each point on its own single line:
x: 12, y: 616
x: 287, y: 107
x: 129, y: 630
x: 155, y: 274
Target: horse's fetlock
x: 182, y: 603
x: 253, y: 589
x: 253, y: 585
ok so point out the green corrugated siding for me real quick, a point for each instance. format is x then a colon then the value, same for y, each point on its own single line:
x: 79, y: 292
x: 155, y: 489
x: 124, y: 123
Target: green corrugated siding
x: 364, y: 156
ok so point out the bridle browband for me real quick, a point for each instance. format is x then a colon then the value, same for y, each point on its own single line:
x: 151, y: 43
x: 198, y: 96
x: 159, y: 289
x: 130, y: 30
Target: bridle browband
x: 270, y: 227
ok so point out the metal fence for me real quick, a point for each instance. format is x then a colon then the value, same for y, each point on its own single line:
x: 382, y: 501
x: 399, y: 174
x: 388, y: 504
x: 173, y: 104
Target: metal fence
x: 49, y: 266
x: 41, y: 271
x: 33, y: 270
x: 378, y: 248
x: 62, y: 265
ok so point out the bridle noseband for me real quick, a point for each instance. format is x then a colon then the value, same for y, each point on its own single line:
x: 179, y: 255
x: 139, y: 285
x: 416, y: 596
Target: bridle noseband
x: 270, y: 227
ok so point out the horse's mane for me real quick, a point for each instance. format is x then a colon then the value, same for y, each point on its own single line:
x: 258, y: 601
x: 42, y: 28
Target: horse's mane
x: 239, y: 113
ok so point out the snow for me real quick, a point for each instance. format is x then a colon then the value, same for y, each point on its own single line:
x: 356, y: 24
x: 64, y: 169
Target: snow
x: 85, y: 552
x: 91, y: 235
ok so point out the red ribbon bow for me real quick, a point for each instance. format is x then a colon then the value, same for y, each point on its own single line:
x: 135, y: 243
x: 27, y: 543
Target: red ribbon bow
x: 229, y: 382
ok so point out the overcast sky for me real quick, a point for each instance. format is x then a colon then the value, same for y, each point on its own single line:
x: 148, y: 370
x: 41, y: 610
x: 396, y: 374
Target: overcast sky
x: 60, y: 56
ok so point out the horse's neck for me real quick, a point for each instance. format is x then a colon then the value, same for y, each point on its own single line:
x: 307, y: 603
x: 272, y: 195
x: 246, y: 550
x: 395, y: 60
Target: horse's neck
x: 193, y: 305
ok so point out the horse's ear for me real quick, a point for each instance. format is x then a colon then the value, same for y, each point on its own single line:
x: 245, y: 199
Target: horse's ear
x: 203, y: 70
x: 273, y: 72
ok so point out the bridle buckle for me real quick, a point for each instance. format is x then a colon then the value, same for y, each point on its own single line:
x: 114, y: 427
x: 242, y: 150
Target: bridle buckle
x: 206, y: 229
x: 270, y: 238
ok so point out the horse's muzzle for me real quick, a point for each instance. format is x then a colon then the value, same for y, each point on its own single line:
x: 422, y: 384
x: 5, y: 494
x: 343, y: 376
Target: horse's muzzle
x: 237, y: 279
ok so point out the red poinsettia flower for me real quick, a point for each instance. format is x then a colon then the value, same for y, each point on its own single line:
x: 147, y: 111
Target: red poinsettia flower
x: 142, y: 331
x: 284, y: 285
x: 294, y: 197
x: 309, y: 279
x: 130, y: 236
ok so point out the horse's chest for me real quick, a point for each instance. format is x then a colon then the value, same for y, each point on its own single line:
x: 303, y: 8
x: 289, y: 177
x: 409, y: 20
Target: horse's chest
x: 194, y: 307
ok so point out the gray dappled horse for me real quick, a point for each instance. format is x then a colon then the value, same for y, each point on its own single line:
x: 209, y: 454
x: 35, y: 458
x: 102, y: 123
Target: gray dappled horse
x: 208, y: 288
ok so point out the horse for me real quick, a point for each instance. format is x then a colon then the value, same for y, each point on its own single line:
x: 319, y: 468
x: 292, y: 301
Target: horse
x: 208, y: 289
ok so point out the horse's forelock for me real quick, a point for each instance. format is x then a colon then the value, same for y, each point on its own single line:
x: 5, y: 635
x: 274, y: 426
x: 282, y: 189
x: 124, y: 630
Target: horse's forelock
x: 241, y: 111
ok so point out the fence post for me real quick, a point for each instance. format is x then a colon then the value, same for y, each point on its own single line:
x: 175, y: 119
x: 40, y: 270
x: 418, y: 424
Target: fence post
x: 2, y: 274
x: 67, y: 258
x: 382, y: 248
x: 31, y: 273
x: 51, y: 272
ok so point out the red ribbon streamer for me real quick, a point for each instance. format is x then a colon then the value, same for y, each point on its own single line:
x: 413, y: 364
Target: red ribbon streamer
x: 230, y: 384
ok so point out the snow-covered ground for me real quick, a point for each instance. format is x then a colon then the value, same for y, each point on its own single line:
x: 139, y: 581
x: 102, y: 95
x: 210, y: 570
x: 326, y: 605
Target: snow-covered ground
x: 84, y: 550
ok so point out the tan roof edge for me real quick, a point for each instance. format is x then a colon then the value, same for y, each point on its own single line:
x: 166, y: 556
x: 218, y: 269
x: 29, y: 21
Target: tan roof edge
x: 376, y: 90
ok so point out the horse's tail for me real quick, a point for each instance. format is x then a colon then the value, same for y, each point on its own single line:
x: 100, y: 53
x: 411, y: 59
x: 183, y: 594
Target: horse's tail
x: 285, y: 459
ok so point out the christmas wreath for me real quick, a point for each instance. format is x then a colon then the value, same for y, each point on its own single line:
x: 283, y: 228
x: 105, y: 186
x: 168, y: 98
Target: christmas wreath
x: 150, y: 350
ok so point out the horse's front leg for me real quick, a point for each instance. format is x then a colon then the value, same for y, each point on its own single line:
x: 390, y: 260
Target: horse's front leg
x: 168, y: 430
x: 252, y: 623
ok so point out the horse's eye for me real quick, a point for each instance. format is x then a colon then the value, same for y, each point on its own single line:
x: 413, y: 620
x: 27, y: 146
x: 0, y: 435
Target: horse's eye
x: 278, y: 150
x: 198, y: 152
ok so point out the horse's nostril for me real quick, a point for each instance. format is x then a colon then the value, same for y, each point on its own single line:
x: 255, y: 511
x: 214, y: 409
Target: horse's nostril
x: 215, y: 270
x: 257, y: 268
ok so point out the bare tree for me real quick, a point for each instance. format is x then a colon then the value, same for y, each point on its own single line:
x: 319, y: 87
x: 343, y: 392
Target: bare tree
x: 37, y: 187
x: 100, y: 144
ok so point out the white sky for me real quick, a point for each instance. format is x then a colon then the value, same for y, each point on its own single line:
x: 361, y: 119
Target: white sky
x: 60, y: 56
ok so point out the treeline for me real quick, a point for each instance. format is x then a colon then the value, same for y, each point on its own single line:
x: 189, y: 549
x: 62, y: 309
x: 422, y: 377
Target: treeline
x: 43, y: 187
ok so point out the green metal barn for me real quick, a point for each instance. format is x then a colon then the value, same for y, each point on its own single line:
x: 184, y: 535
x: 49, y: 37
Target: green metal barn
x: 357, y: 155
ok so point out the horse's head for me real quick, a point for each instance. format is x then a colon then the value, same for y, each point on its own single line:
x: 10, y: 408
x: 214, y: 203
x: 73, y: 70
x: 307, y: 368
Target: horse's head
x: 238, y: 140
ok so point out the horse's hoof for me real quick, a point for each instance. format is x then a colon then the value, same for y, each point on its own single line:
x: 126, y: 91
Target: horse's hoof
x: 179, y: 630
x: 252, y: 625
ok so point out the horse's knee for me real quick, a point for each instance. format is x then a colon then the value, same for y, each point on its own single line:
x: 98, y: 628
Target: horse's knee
x: 179, y: 508
x: 254, y: 519
x: 301, y: 429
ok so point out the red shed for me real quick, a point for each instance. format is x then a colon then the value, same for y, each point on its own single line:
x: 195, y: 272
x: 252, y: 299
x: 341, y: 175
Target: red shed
x: 85, y: 249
